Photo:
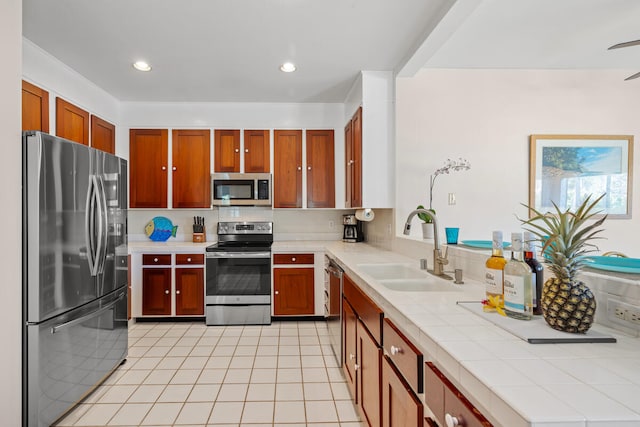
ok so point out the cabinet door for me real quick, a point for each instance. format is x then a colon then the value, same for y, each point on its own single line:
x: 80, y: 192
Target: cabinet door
x: 348, y: 163
x: 369, y: 367
x: 256, y: 151
x: 72, y: 122
x: 356, y: 157
x: 287, y: 169
x: 293, y: 290
x: 35, y: 108
x: 103, y: 135
x: 148, y: 158
x: 226, y: 156
x: 349, y: 345
x: 191, y: 170
x: 156, y: 291
x: 190, y: 291
x: 400, y: 406
x: 320, y: 169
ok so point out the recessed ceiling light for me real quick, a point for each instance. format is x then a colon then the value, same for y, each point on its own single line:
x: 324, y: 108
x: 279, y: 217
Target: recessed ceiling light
x: 288, y: 67
x: 141, y: 66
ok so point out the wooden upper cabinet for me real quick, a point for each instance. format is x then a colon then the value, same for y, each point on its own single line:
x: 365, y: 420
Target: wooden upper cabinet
x: 226, y: 154
x: 353, y: 157
x: 287, y: 168
x: 320, y: 169
x: 35, y: 108
x: 103, y: 135
x: 256, y: 151
x: 148, y: 158
x: 191, y: 168
x: 72, y: 122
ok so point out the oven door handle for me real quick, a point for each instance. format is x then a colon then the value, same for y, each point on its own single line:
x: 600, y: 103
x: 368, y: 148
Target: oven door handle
x: 238, y: 255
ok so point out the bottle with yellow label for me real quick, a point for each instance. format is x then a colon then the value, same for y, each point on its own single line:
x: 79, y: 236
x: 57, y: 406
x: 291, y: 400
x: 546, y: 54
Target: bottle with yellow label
x: 494, y: 271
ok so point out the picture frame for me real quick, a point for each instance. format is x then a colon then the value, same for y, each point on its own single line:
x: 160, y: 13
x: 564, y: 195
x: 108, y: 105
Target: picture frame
x: 565, y: 169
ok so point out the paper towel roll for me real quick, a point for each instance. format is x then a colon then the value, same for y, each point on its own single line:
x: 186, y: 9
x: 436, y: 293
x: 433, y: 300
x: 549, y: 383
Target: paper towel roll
x: 365, y: 215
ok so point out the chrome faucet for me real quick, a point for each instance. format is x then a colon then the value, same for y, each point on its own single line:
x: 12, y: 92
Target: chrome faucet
x: 439, y: 260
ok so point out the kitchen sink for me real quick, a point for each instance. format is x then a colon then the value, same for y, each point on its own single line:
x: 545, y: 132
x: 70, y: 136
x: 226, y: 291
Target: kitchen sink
x: 419, y: 285
x: 392, y: 271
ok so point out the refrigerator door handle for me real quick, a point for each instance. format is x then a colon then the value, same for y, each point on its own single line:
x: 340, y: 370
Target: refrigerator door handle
x: 81, y: 319
x: 103, y: 226
x: 89, y: 226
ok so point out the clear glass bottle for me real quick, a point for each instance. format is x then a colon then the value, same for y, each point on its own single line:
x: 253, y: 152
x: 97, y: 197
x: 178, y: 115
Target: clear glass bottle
x: 494, y: 280
x: 537, y: 271
x: 518, y: 299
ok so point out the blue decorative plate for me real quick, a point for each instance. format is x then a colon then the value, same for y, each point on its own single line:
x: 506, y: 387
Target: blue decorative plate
x: 617, y: 264
x: 482, y: 244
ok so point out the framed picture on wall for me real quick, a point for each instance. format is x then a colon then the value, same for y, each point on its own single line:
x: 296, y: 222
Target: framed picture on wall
x: 565, y: 169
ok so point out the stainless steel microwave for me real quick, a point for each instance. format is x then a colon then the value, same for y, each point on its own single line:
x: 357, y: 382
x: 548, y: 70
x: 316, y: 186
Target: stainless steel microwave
x: 241, y: 189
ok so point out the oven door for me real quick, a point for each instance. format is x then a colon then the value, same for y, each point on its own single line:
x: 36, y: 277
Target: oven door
x: 238, y: 277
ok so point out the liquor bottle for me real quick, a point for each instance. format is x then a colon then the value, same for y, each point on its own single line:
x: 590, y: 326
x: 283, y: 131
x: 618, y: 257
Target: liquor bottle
x: 537, y: 271
x: 494, y: 270
x: 518, y: 299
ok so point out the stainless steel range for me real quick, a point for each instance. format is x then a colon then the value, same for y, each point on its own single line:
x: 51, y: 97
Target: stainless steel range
x: 238, y: 288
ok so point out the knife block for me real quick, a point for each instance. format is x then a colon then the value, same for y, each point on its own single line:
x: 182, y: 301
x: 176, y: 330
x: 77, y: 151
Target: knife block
x: 200, y: 237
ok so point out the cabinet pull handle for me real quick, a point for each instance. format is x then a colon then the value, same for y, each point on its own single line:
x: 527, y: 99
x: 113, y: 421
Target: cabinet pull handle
x: 293, y: 259
x: 356, y: 367
x: 352, y: 356
x: 308, y: 168
x: 174, y: 168
x: 277, y: 292
x: 299, y: 168
x: 452, y: 421
x: 155, y: 260
x: 396, y: 350
x: 164, y: 168
x: 246, y: 150
x: 166, y: 291
x: 237, y: 150
x: 188, y: 259
x: 178, y: 292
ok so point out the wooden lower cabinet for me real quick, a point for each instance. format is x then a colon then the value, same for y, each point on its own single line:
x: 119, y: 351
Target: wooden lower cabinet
x: 293, y: 291
x: 400, y: 405
x: 350, y: 345
x: 369, y: 357
x: 189, y: 291
x: 156, y: 291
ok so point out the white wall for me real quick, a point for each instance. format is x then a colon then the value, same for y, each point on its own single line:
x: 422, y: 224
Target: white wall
x: 10, y: 215
x: 486, y: 116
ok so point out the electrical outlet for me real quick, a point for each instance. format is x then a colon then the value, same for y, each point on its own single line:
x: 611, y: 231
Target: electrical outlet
x: 452, y: 198
x: 623, y: 312
x: 332, y: 224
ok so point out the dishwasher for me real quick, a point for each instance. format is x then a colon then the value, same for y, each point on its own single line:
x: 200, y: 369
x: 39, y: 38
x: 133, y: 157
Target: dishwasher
x: 333, y: 305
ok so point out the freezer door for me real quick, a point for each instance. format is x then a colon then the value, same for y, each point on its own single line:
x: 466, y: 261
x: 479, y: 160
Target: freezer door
x: 56, y: 182
x: 68, y: 356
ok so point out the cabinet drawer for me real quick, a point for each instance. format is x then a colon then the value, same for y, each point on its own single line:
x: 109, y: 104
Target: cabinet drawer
x: 443, y: 398
x: 404, y: 355
x: 293, y: 258
x: 186, y: 259
x: 156, y: 259
x: 367, y: 310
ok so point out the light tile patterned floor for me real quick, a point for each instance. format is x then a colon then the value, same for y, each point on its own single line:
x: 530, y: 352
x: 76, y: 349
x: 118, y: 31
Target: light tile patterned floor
x: 189, y: 374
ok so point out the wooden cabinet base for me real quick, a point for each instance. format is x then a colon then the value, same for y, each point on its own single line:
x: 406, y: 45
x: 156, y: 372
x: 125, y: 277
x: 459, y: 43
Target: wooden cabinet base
x: 400, y: 406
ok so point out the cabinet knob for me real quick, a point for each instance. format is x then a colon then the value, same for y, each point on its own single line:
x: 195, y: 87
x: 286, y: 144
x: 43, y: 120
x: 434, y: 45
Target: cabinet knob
x: 164, y: 168
x: 308, y: 168
x: 293, y: 259
x: 356, y: 367
x: 166, y: 291
x: 174, y: 168
x: 178, y: 292
x: 188, y: 259
x: 246, y: 150
x: 237, y: 150
x: 299, y: 168
x: 395, y: 350
x: 352, y: 356
x: 276, y: 292
x: 155, y: 260
x: 452, y: 421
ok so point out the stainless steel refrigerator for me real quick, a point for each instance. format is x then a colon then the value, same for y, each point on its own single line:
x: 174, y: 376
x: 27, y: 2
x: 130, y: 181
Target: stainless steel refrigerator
x: 74, y: 284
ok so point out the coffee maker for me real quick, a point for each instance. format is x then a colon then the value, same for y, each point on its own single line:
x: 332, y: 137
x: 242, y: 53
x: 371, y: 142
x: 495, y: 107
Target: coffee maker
x: 352, y: 229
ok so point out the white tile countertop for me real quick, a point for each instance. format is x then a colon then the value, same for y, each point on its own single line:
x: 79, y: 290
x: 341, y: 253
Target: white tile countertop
x: 512, y: 382
x: 168, y: 246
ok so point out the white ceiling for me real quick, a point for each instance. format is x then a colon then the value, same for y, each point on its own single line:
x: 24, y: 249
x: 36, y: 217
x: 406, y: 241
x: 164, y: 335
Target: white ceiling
x: 230, y: 50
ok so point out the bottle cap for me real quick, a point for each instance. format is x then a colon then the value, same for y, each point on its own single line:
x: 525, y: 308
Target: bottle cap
x: 497, y: 240
x: 516, y: 242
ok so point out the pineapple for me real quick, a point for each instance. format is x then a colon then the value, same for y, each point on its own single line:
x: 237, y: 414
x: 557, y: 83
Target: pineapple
x: 567, y: 304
